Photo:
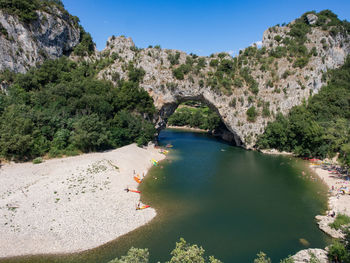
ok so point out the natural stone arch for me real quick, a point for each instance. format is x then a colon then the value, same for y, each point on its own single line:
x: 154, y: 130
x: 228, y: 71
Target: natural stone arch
x: 166, y: 109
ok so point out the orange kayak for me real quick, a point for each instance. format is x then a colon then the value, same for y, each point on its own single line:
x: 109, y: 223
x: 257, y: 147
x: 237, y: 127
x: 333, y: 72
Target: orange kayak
x: 142, y: 207
x: 131, y: 190
x: 137, y: 179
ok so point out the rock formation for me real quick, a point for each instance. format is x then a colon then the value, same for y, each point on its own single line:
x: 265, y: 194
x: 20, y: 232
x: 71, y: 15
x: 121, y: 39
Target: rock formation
x: 262, y: 79
x: 25, y: 44
x: 306, y: 255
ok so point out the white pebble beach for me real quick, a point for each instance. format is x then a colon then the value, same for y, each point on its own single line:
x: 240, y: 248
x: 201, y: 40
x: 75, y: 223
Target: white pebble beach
x: 72, y: 204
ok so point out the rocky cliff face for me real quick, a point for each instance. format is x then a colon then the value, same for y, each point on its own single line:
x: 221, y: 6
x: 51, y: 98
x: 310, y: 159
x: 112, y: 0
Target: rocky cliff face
x: 281, y: 74
x: 23, y: 45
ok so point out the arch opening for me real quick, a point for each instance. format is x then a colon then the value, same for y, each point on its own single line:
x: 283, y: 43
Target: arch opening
x: 221, y: 129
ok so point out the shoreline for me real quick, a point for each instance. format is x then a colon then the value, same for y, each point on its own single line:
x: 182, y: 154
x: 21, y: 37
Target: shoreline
x: 72, y: 204
x: 187, y: 128
x: 338, y: 203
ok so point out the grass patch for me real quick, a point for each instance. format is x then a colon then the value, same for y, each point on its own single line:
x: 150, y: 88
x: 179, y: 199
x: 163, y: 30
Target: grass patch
x: 340, y: 221
x: 38, y: 160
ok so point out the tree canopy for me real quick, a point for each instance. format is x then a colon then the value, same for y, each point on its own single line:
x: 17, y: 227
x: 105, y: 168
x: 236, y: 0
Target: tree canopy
x: 61, y: 108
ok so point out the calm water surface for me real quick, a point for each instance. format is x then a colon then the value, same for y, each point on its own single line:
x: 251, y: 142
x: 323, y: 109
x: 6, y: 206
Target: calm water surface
x: 232, y: 202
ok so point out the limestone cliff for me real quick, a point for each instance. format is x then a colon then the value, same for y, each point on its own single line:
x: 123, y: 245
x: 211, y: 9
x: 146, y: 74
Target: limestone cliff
x: 248, y: 90
x: 24, y: 44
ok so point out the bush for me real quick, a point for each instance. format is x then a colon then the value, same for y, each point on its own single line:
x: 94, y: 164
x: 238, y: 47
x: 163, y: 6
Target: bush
x: 337, y: 252
x: 340, y: 221
x: 174, y: 58
x: 301, y: 62
x: 252, y: 114
x: 38, y: 160
x: 180, y: 72
x: 86, y: 46
x: 134, y: 255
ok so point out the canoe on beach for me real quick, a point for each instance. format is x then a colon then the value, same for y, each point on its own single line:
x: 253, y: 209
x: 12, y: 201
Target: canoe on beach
x: 142, y: 207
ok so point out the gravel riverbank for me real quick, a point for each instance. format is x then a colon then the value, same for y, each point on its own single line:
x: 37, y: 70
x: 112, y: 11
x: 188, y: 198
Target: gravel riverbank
x: 71, y: 204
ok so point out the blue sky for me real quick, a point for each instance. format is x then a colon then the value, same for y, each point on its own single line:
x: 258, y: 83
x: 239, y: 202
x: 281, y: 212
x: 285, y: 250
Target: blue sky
x: 201, y: 27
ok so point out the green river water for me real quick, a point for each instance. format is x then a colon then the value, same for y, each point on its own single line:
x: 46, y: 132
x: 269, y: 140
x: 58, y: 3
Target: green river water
x: 232, y: 202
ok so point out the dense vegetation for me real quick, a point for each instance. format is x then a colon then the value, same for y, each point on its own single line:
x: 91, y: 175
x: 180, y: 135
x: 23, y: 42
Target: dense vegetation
x: 196, y: 116
x: 61, y: 108
x: 339, y: 250
x: 319, y: 127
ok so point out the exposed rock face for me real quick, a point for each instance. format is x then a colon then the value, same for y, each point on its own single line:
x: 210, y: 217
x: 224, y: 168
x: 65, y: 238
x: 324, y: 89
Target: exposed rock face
x: 305, y: 255
x: 323, y: 223
x: 311, y: 18
x: 52, y: 35
x: 291, y: 85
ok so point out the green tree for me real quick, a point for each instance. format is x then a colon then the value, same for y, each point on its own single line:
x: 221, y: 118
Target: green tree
x: 262, y: 258
x: 187, y: 253
x: 252, y: 114
x: 134, y: 255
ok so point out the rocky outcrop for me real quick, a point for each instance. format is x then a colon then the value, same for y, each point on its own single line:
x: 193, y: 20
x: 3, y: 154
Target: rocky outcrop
x: 24, y: 45
x: 281, y: 85
x: 307, y: 254
x: 323, y: 223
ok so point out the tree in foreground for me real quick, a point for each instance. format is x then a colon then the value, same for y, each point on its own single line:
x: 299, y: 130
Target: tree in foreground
x: 134, y: 255
x: 187, y: 253
x: 183, y: 253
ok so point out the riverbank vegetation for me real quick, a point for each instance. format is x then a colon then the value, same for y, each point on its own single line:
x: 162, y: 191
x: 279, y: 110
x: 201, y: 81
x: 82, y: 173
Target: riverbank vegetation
x: 320, y: 127
x: 187, y: 253
x: 61, y: 108
x: 195, y: 115
x: 183, y: 252
x: 339, y: 250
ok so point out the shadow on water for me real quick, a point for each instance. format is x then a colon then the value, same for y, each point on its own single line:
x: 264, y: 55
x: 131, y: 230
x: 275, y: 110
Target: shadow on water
x: 232, y: 202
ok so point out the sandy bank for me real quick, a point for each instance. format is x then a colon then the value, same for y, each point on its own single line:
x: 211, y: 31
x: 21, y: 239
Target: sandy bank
x: 71, y: 204
x: 187, y: 128
x: 275, y: 152
x: 336, y: 202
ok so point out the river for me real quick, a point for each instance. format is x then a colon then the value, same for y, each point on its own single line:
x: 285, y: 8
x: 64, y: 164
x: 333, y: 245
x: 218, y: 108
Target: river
x: 232, y: 202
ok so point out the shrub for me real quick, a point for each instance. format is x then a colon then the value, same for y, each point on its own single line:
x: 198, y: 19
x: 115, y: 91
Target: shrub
x: 340, y: 221
x: 37, y: 160
x: 278, y: 38
x: 252, y: 114
x: 337, y: 252
x: 174, y: 58
x: 214, y: 63
x: 301, y: 62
